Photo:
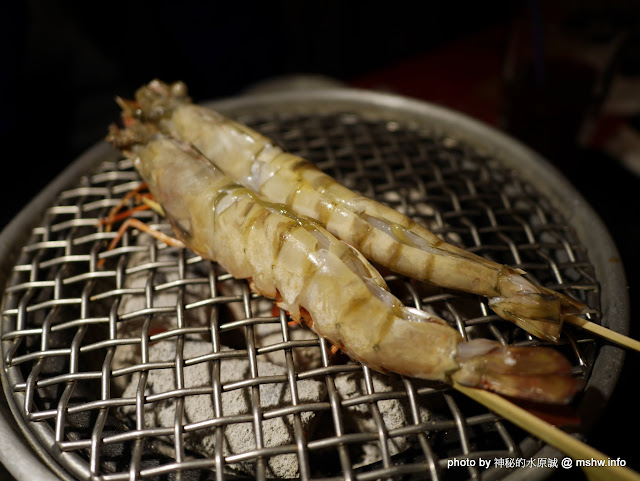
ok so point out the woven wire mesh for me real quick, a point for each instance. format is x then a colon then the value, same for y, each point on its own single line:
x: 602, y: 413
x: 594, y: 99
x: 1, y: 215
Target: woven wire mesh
x: 159, y: 365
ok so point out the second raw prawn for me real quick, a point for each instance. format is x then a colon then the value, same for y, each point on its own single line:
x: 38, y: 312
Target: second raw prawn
x: 324, y: 281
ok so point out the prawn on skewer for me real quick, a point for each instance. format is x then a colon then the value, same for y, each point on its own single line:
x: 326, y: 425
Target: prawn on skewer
x: 325, y: 282
x: 382, y: 234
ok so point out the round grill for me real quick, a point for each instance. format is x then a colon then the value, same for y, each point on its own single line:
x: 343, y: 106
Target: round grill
x: 159, y: 365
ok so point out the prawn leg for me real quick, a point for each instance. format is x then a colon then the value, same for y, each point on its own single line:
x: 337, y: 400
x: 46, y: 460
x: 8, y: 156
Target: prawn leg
x: 116, y: 215
x: 141, y: 226
x: 132, y: 222
x: 115, y: 212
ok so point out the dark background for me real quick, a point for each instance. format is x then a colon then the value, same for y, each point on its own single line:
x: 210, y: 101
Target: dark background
x: 533, y: 68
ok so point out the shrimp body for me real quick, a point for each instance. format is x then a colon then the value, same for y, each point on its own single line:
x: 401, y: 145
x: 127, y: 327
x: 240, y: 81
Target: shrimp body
x: 382, y: 234
x: 325, y: 282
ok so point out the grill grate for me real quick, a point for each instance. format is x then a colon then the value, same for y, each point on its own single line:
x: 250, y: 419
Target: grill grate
x: 162, y: 366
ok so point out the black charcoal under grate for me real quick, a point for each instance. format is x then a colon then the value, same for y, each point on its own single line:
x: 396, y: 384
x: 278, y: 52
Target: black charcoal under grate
x: 158, y: 365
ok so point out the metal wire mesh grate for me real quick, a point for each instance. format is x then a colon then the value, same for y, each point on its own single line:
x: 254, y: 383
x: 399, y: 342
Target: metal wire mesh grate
x: 159, y: 365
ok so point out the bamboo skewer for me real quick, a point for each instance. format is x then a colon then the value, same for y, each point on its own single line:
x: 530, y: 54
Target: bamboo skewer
x: 552, y: 435
x: 603, y: 332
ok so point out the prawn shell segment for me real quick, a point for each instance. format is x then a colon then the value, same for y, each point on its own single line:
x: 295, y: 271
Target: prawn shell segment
x: 367, y: 330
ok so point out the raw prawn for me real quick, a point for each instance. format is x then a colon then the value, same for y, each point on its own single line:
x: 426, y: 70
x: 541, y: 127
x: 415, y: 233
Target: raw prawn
x: 382, y: 234
x: 324, y: 281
